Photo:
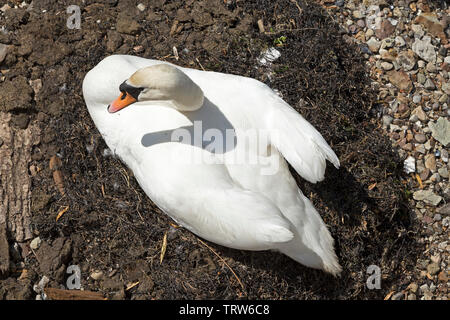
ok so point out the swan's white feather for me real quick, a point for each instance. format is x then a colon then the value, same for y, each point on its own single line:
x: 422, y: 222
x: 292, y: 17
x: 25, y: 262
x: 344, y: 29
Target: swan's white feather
x: 299, y: 142
x: 230, y: 203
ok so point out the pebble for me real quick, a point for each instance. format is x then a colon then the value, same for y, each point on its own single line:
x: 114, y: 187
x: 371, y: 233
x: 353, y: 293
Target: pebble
x: 387, y: 120
x: 401, y: 80
x: 412, y: 296
x: 406, y: 60
x: 437, y: 153
x: 432, y: 287
x: 443, y: 172
x: 440, y: 130
x: 387, y: 43
x: 5, y: 8
x: 409, y: 165
x: 421, y: 78
x: 3, y: 51
x: 373, y: 44
x: 397, y: 296
x: 413, y: 118
x: 443, y: 98
x: 446, y: 222
x: 442, y: 276
x: 430, y: 162
x: 433, y: 268
x: 425, y: 174
x: 35, y: 243
x: 141, y: 7
x: 413, y: 287
x: 421, y: 115
x: 446, y: 87
x: 386, y: 29
x: 429, y: 85
x: 360, y: 23
x: 358, y: 14
x: 420, y: 148
x: 96, y: 275
x: 418, y: 31
x: 427, y: 196
x: 399, y: 41
x: 268, y: 56
x: 387, y: 66
x: 444, y: 155
x: 420, y: 137
x: 424, y: 49
x: 435, y: 177
x: 431, y: 67
x: 39, y: 287
x: 417, y: 99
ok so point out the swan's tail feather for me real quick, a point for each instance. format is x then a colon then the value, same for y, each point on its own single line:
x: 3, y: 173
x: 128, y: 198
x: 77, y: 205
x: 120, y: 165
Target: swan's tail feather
x: 313, y: 244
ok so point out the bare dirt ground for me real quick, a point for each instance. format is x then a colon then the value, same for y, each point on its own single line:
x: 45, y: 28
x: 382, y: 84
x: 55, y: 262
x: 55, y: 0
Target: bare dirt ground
x: 111, y: 229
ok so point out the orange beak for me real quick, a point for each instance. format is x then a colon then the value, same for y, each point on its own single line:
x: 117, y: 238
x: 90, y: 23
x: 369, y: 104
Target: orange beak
x: 124, y: 100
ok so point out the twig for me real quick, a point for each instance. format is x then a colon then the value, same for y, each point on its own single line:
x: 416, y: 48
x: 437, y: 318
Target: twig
x: 300, y: 10
x: 200, y: 64
x: 132, y: 285
x: 163, y: 248
x: 261, y: 25
x: 221, y: 259
x: 60, y: 294
x: 125, y: 175
x: 289, y: 30
x: 62, y: 212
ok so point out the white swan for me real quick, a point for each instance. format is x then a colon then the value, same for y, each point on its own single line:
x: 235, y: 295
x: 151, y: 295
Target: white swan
x: 221, y: 185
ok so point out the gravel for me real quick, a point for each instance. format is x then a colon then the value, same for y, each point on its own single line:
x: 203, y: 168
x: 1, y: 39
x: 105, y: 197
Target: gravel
x: 409, y: 63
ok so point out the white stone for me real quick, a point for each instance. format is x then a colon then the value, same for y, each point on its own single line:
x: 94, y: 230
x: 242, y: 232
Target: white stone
x: 409, y: 166
x: 424, y: 49
x: 141, y: 7
x: 35, y: 243
x: 269, y: 56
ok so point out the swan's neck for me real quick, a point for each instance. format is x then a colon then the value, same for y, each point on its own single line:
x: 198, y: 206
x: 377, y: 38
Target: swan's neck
x: 168, y: 83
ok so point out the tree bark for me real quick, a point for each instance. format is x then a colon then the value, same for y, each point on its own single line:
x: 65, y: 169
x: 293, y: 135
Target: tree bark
x: 15, y: 184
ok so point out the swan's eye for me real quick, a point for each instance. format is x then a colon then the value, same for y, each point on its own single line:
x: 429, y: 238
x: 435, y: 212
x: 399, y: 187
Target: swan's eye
x: 124, y: 95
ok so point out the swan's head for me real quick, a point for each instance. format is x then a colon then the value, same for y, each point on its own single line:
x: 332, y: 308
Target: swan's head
x: 161, y: 82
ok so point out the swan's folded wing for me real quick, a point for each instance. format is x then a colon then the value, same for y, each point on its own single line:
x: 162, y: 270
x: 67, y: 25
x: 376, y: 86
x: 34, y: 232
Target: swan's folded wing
x: 299, y: 142
x: 206, y: 200
x: 236, y: 218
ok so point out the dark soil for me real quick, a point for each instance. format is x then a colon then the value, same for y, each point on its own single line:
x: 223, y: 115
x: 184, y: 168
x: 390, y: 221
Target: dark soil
x: 113, y: 227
